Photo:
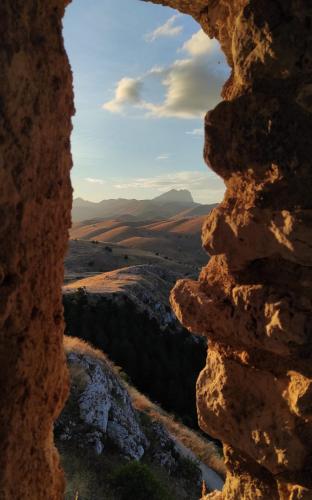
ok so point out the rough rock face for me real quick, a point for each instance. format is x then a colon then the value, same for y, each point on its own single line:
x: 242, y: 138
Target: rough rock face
x: 99, y: 407
x: 126, y: 314
x: 99, y: 417
x: 35, y: 201
x: 253, y: 300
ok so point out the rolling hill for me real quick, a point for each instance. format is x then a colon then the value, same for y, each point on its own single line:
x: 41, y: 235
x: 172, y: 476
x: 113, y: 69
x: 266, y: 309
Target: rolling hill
x: 119, y: 271
x: 178, y: 239
x: 112, y: 237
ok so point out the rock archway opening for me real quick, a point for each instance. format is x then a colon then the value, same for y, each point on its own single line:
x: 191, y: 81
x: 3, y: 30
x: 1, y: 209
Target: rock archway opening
x: 138, y: 133
x: 141, y: 93
x: 252, y: 301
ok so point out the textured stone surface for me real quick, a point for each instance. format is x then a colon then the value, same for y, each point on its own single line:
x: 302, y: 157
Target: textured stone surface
x: 126, y: 314
x: 99, y: 406
x: 253, y: 300
x: 35, y: 201
x: 100, y: 420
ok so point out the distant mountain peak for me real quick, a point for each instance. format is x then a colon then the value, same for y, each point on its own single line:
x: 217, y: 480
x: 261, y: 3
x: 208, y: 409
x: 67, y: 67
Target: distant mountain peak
x: 81, y: 202
x: 163, y: 206
x: 175, y: 195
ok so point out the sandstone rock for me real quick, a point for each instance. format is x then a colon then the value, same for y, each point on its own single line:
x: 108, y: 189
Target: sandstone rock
x: 253, y: 300
x: 35, y: 202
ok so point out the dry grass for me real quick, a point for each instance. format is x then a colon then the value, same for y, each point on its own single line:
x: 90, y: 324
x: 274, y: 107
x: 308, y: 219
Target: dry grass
x: 178, y: 239
x: 78, y: 346
x: 81, y: 347
x: 205, y: 450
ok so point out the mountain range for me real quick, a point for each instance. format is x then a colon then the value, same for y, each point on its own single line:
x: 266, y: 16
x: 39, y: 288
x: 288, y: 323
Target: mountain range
x: 166, y: 205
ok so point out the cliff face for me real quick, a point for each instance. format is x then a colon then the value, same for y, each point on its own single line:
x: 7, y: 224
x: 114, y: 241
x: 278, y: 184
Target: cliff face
x: 101, y: 432
x: 253, y: 300
x: 126, y: 314
x: 99, y: 406
x: 35, y: 201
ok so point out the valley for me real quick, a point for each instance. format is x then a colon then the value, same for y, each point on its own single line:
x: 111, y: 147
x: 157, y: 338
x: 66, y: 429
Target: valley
x: 118, y: 276
x: 133, y: 383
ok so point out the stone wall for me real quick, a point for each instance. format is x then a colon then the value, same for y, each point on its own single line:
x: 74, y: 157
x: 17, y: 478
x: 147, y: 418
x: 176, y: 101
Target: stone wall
x: 253, y: 300
x: 35, y: 201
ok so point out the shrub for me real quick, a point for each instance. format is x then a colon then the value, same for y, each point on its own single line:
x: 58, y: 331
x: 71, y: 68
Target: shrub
x: 189, y: 468
x: 136, y: 481
x: 81, y: 292
x: 80, y: 480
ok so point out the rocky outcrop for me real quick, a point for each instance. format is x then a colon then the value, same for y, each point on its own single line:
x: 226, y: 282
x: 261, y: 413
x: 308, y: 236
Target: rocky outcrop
x: 99, y: 421
x: 35, y: 202
x: 126, y: 313
x: 146, y: 286
x: 253, y: 301
x: 99, y: 407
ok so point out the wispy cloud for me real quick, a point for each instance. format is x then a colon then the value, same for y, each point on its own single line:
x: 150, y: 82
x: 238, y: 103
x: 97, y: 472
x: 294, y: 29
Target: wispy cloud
x: 192, y: 85
x: 196, y: 131
x: 164, y: 156
x: 193, y: 180
x: 94, y: 181
x: 168, y: 29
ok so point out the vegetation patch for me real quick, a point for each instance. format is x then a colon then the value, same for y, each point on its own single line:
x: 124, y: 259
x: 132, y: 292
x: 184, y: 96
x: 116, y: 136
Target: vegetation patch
x: 136, y: 481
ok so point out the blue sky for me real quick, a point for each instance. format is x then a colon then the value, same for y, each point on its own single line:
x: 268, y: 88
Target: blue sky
x: 143, y: 78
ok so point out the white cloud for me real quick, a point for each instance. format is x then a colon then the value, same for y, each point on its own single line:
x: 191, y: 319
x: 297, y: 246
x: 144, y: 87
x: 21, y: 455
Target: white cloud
x: 191, y: 85
x: 192, y: 180
x: 156, y: 70
x: 196, y: 131
x: 190, y: 90
x: 94, y: 181
x: 166, y: 30
x: 200, y: 44
x: 163, y: 156
x: 127, y: 92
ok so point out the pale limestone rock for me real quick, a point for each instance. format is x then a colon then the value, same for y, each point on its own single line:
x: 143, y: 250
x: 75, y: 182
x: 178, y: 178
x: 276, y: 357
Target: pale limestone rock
x: 104, y: 409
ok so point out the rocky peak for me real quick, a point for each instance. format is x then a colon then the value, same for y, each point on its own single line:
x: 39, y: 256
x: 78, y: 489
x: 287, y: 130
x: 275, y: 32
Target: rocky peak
x: 175, y: 196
